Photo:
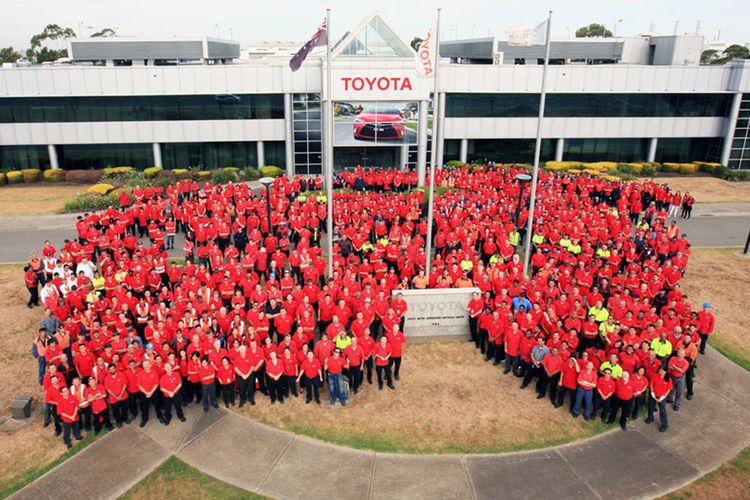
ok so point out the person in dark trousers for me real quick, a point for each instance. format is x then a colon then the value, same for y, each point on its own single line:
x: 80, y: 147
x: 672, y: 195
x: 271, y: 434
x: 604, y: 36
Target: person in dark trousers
x: 208, y: 386
x: 313, y: 373
x: 170, y: 385
x: 382, y: 353
x: 623, y: 401
x: 661, y: 386
x: 67, y: 409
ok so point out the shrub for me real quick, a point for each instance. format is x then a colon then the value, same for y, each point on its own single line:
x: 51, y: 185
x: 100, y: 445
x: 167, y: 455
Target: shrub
x: 3, y: 180
x: 14, y: 177
x: 271, y: 171
x: 592, y: 171
x: 86, y: 202
x: 688, y: 168
x: 222, y: 177
x: 251, y: 173
x: 83, y: 176
x: 165, y: 178
x: 710, y: 167
x: 203, y: 175
x: 648, y: 171
x: 56, y: 175
x: 135, y: 179
x: 31, y: 175
x: 118, y: 171
x: 574, y: 171
x: 455, y: 163
x: 234, y: 170
x: 728, y: 174
x: 671, y: 167
x: 181, y: 173
x: 100, y: 188
x: 151, y: 172
x: 622, y: 168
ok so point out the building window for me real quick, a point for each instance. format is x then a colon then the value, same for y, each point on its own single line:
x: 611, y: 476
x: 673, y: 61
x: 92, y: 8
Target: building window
x: 682, y: 150
x: 508, y: 150
x: 20, y: 157
x: 624, y: 150
x: 141, y: 108
x: 275, y: 153
x: 306, y: 122
x: 97, y: 156
x: 739, y: 154
x: 210, y: 154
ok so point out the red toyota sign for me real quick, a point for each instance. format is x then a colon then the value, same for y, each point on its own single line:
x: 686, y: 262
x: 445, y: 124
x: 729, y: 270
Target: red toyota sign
x: 373, y: 83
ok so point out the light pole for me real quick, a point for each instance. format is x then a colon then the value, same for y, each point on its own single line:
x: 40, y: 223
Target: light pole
x: 747, y: 244
x: 267, y: 182
x: 522, y: 179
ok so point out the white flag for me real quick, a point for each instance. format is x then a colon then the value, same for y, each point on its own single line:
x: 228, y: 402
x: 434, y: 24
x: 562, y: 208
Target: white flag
x: 526, y: 35
x: 426, y: 57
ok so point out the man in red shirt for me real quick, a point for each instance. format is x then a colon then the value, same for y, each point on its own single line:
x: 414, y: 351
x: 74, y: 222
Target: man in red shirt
x: 170, y: 384
x: 313, y: 373
x: 99, y: 408
x: 678, y: 367
x: 568, y: 382
x: 549, y: 376
x: 243, y: 369
x: 623, y: 401
x: 396, y: 339
x: 148, y: 387
x: 382, y: 353
x: 207, y: 375
x: 354, y: 355
x: 116, y: 385
x: 661, y: 386
x: 706, y: 323
x: 67, y: 409
x: 334, y: 367
x: 475, y: 308
x: 512, y: 342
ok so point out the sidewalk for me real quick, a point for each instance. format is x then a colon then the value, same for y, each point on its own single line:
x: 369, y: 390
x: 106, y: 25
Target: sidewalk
x: 641, y: 463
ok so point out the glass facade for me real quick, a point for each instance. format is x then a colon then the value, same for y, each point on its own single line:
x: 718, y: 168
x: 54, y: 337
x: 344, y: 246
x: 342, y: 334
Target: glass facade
x: 739, y: 154
x: 96, y: 156
x: 586, y: 105
x: 506, y: 150
x: 306, y: 122
x: 20, y: 157
x: 689, y: 149
x: 141, y: 108
x: 349, y: 157
x: 625, y: 150
x: 209, y: 154
x: 275, y: 153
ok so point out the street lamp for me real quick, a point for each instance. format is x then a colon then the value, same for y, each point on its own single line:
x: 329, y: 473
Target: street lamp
x: 522, y: 179
x: 267, y: 182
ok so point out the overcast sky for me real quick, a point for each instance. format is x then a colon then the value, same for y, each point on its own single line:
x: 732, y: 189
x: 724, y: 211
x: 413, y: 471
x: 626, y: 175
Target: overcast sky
x: 252, y: 20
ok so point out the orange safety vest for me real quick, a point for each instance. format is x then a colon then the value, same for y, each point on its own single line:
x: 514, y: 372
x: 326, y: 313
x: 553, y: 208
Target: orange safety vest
x: 41, y: 349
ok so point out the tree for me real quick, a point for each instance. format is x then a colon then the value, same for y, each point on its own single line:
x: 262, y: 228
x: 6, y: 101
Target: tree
x: 9, y: 55
x: 593, y: 30
x: 104, y: 33
x: 736, y: 51
x: 415, y: 43
x: 52, y: 32
x: 709, y: 56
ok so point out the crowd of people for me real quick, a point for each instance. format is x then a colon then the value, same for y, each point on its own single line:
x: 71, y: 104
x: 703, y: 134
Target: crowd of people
x: 251, y: 309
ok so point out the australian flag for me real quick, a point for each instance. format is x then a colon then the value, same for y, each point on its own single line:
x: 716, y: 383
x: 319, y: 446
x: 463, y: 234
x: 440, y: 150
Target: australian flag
x: 319, y: 38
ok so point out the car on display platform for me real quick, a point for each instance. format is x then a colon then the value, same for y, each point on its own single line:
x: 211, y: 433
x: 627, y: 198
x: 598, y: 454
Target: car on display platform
x: 379, y: 123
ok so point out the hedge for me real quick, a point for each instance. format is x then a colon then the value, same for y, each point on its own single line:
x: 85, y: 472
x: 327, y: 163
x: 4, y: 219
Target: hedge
x: 86, y: 202
x: 3, y: 180
x: 14, y: 177
x: 455, y: 163
x: 222, y: 177
x: 251, y: 173
x: 271, y: 171
x: 203, y: 175
x: 56, y: 175
x: 100, y: 188
x: 688, y: 168
x: 151, y: 172
x: 233, y: 170
x: 31, y: 175
x: 118, y: 170
x: 671, y: 167
x: 181, y: 173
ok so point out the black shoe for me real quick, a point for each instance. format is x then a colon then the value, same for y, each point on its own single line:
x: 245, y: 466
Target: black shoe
x: 676, y: 408
x: 540, y: 396
x: 391, y: 386
x: 624, y: 427
x: 273, y: 401
x: 663, y: 428
x: 396, y: 377
x: 182, y: 418
x: 380, y: 387
x: 333, y: 401
x: 649, y: 420
x: 307, y: 402
x: 689, y: 397
x: 119, y: 425
x: 369, y: 381
x: 281, y: 401
x: 242, y: 404
x: 317, y: 401
x: 69, y: 446
x: 495, y: 363
x: 205, y: 410
x: 524, y: 386
x: 226, y: 405
x: 46, y: 424
x: 505, y: 372
x: 143, y: 424
x: 216, y: 405
x: 57, y: 433
x: 343, y: 403
x: 166, y: 422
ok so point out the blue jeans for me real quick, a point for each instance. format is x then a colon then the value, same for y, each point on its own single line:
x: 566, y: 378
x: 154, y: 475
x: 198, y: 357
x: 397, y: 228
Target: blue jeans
x: 336, y: 387
x: 42, y: 367
x: 585, y: 396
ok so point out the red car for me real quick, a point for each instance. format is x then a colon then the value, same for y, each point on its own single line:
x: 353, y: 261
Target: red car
x: 385, y: 124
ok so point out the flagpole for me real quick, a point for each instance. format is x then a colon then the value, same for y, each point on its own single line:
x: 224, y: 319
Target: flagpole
x: 433, y: 152
x: 537, y: 153
x: 329, y: 148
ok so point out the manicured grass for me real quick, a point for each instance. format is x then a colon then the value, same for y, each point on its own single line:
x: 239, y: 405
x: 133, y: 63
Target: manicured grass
x: 731, y: 480
x: 32, y: 474
x: 37, y: 199
x: 174, y: 479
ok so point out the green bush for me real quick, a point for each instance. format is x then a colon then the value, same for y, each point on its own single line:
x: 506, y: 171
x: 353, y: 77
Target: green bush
x: 222, y: 177
x: 251, y: 173
x: 671, y: 167
x: 181, y: 173
x: 57, y: 175
x: 688, y: 168
x: 455, y: 163
x: 101, y: 188
x: 14, y: 177
x: 730, y: 174
x: 164, y: 178
x: 203, y: 175
x: 31, y: 175
x: 234, y: 170
x: 3, y: 180
x: 86, y: 202
x: 271, y: 171
x: 151, y: 172
x: 118, y: 171
x: 648, y: 170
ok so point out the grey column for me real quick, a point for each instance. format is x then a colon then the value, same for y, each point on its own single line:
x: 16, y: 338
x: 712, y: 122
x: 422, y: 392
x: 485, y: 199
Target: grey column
x: 464, y: 150
x: 157, y: 154
x: 559, y: 148
x: 289, y: 135
x: 261, y: 154
x: 652, y: 145
x: 422, y: 146
x: 52, y: 153
x: 441, y: 127
x: 404, y: 157
x: 734, y: 113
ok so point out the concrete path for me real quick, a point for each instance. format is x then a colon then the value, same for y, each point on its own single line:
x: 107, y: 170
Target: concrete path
x: 641, y: 463
x: 712, y: 225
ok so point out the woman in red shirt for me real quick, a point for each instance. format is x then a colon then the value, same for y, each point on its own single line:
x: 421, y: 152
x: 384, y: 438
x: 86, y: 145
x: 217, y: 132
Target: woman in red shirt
x: 207, y: 376
x: 661, y: 386
x: 98, y: 398
x: 383, y: 352
x: 225, y: 376
x: 274, y: 372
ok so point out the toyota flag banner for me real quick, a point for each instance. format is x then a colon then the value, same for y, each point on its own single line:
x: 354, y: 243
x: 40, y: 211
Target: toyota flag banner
x: 319, y: 38
x: 525, y: 35
x: 426, y: 56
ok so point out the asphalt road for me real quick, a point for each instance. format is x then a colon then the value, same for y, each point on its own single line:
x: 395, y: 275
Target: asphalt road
x: 344, y: 136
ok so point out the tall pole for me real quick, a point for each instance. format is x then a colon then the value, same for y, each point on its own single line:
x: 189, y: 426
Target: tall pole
x: 329, y: 147
x: 537, y: 152
x: 433, y: 153
x: 268, y: 208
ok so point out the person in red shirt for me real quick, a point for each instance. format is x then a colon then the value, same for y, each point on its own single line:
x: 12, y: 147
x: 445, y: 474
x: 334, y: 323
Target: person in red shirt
x: 568, y: 382
x: 605, y: 390
x: 51, y: 396
x: 243, y: 369
x: 274, y: 372
x: 678, y: 367
x: 84, y: 362
x: 661, y: 386
x: 475, y: 308
x: 207, y: 375
x: 290, y: 372
x: 706, y: 323
x: 99, y: 408
x: 313, y: 373
x: 170, y: 384
x: 382, y: 353
x: 640, y: 384
x: 226, y: 376
x: 67, y: 410
x: 354, y: 355
x: 549, y: 376
x: 585, y: 391
x: 396, y: 339
x: 116, y: 385
x: 334, y: 367
x: 622, y: 401
x: 148, y: 385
